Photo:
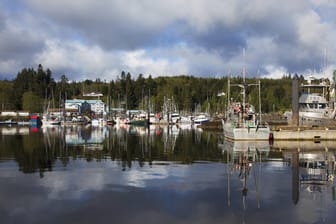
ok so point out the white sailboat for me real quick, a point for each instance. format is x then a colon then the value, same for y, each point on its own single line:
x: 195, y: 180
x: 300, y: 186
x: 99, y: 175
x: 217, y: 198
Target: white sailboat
x: 49, y: 119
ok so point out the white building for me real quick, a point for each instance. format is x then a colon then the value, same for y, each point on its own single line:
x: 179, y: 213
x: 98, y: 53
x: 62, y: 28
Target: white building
x: 96, y: 106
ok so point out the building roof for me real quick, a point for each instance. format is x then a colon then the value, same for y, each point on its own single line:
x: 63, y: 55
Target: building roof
x: 93, y: 94
x: 83, y: 100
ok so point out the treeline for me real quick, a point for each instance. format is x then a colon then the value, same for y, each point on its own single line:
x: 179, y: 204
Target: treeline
x: 32, y: 89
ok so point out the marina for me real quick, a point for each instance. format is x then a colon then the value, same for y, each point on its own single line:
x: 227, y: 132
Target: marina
x: 186, y: 112
x: 166, y: 174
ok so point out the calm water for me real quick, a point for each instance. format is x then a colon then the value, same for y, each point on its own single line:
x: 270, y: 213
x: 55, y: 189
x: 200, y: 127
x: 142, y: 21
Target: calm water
x: 161, y: 175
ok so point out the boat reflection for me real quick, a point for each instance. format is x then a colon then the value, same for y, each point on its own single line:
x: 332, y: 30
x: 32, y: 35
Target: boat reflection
x: 244, y: 158
x: 167, y: 133
x: 313, y: 168
x: 14, y: 130
x: 119, y: 141
x: 315, y: 161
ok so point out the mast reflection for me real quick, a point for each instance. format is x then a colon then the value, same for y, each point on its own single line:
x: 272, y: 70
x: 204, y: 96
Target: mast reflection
x: 244, y: 159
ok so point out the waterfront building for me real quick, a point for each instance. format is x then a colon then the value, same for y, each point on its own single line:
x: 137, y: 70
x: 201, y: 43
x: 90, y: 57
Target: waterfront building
x: 96, y: 106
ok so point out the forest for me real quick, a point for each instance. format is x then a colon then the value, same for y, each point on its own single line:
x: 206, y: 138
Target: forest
x: 32, y: 88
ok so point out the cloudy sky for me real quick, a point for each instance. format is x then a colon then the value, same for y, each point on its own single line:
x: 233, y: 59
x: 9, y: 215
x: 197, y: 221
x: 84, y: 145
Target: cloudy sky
x: 89, y: 39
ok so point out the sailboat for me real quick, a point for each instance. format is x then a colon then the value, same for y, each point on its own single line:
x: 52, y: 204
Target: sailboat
x: 48, y: 119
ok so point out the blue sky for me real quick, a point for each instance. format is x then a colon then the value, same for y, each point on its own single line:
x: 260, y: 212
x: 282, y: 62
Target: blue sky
x: 89, y: 39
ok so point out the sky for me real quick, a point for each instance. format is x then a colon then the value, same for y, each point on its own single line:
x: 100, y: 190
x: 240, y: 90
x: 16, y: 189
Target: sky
x: 90, y: 39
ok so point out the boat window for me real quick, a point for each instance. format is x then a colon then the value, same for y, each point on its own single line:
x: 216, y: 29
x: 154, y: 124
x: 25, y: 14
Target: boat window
x: 321, y: 164
x: 313, y: 105
x: 303, y: 164
x: 317, y: 164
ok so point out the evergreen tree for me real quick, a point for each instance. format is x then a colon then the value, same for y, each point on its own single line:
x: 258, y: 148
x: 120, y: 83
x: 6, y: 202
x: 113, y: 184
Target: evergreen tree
x: 31, y: 102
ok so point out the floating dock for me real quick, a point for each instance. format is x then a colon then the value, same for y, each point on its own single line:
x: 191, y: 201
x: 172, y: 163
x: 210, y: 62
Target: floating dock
x: 304, y: 133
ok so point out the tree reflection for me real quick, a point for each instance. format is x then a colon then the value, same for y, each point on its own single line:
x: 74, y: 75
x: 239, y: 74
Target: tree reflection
x: 39, y: 151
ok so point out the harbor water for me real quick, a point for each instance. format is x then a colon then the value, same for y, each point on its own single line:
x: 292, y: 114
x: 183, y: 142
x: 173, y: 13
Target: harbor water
x: 167, y: 174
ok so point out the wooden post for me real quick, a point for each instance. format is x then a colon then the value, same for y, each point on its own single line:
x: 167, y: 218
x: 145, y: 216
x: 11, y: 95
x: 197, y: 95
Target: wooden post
x: 295, y: 100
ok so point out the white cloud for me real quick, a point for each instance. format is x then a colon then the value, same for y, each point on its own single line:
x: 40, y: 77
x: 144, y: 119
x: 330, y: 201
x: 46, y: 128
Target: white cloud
x: 310, y: 29
x: 139, y: 61
x: 275, y: 72
x: 82, y: 61
x: 91, y: 39
x: 8, y: 66
x: 328, y: 3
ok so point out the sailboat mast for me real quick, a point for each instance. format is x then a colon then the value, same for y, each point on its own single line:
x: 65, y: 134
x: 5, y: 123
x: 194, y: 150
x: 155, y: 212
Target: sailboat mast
x: 244, y: 92
x: 228, y: 99
x: 259, y: 101
x: 244, y: 69
x: 243, y: 109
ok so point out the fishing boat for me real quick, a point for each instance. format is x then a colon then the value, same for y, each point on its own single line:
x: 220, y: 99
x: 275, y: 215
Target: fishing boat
x: 313, y: 103
x: 242, y: 122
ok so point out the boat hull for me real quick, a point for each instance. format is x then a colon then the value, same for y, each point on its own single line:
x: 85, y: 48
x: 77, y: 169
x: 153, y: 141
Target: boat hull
x: 313, y: 115
x: 140, y: 122
x: 50, y: 122
x: 257, y: 133
x: 201, y: 121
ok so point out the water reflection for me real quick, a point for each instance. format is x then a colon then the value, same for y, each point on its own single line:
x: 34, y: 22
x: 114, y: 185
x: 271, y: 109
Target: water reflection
x: 312, y: 174
x: 165, y: 174
x: 313, y: 165
x: 313, y: 170
x: 39, y: 149
x: 14, y: 130
x: 244, y: 162
x: 87, y: 136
